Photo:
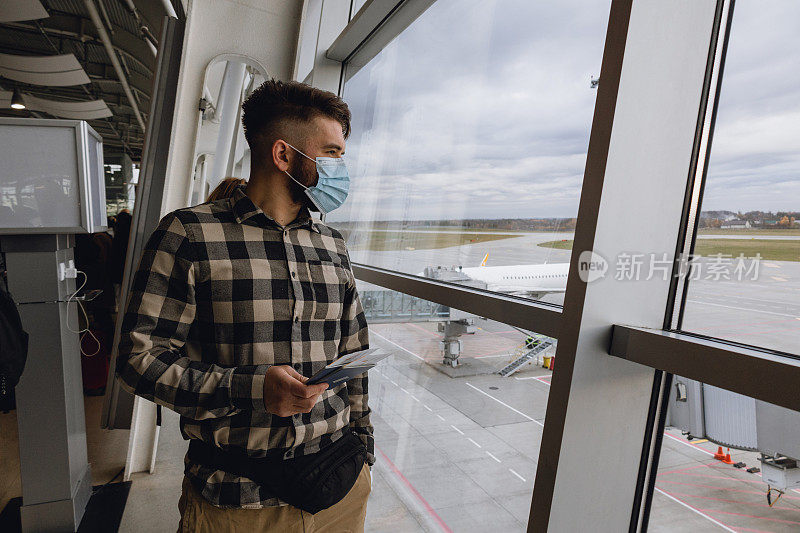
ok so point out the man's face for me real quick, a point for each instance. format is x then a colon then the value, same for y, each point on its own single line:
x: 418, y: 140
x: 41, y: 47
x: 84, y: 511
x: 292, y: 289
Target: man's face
x: 323, y: 138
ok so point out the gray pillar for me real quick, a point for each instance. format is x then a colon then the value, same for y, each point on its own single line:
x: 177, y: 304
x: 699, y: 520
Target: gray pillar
x: 56, y: 480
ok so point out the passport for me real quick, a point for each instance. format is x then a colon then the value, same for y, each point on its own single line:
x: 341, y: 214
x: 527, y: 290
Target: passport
x: 348, y: 366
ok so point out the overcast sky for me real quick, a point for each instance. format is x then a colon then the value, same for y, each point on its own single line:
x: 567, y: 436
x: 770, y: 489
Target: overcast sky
x: 482, y: 109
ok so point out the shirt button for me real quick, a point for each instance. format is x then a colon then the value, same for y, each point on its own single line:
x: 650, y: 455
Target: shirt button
x: 294, y: 274
x: 285, y: 233
x: 296, y: 319
x: 297, y: 366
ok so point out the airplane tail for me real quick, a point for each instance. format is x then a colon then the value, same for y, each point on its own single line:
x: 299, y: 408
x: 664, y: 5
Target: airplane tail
x: 485, y: 258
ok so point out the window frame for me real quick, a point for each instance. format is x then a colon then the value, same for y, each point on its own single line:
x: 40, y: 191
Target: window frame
x: 656, y: 352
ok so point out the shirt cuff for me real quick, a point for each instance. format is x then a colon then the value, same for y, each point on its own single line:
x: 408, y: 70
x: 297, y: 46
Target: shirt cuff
x: 247, y: 387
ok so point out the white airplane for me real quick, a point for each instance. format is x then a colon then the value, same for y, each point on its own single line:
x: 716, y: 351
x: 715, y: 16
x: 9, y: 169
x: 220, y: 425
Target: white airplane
x: 529, y: 281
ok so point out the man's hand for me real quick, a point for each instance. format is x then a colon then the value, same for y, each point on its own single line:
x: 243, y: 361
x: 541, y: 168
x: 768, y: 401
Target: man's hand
x: 286, y: 394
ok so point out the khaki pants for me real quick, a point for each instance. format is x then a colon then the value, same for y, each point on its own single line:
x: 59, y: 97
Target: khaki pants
x: 347, y: 516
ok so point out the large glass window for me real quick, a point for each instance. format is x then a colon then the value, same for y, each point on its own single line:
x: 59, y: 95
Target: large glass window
x: 727, y: 463
x: 469, y: 142
x: 458, y: 411
x: 751, y: 204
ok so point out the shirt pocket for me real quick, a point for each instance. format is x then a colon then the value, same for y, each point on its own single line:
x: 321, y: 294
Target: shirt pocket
x: 328, y: 287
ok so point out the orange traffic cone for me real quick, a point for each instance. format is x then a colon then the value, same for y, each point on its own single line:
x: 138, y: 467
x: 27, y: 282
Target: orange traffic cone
x: 719, y: 456
x: 728, y: 460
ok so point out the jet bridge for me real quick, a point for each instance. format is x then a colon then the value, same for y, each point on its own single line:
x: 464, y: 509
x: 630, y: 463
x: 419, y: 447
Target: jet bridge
x: 383, y: 306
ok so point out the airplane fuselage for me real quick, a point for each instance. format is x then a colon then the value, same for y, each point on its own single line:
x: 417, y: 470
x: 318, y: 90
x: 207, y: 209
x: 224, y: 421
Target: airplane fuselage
x: 522, y: 278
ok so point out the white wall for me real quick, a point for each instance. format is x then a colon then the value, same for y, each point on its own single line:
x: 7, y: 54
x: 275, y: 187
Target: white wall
x: 265, y: 30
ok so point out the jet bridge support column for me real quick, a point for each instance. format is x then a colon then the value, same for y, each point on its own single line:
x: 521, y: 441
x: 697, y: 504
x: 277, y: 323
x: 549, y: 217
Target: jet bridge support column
x: 451, y: 344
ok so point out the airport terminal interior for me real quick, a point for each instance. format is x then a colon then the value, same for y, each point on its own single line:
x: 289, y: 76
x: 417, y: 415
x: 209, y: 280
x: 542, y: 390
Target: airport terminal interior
x: 574, y: 227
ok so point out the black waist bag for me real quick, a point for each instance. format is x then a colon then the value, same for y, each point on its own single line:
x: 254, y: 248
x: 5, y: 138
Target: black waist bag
x: 310, y: 482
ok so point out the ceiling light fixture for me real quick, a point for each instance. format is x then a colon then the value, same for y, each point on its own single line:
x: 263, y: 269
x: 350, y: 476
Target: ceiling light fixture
x: 16, y: 100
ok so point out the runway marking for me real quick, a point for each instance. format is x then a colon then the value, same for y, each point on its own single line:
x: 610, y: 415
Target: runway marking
x: 504, y: 404
x: 452, y: 426
x: 475, y: 443
x: 392, y: 342
x: 753, y: 516
x: 394, y: 382
x: 727, y: 489
x: 522, y: 478
x: 440, y: 417
x: 493, y: 457
x: 415, y: 398
x: 416, y: 493
x: 771, y: 265
x: 751, y: 504
x: 777, y: 278
x: 688, y: 444
x: 696, y: 510
x: 404, y: 390
x: 743, y: 308
x: 426, y: 407
x: 701, y: 441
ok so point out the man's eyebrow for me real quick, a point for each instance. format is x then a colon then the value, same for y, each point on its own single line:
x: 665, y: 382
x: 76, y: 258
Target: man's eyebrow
x: 335, y: 146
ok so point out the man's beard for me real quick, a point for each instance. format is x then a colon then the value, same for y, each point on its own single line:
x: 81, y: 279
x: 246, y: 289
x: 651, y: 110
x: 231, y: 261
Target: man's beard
x: 306, y: 175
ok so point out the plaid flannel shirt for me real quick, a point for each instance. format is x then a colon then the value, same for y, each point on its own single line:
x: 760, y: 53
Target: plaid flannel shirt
x: 221, y: 294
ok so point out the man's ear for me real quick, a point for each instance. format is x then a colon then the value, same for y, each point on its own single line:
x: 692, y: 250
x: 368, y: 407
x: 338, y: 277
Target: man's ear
x: 280, y: 155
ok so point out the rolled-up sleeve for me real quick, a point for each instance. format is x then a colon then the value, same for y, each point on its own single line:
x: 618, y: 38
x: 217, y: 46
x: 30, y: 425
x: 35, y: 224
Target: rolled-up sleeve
x: 152, y: 362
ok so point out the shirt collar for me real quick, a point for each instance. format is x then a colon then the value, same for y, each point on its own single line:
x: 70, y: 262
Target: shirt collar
x: 243, y: 209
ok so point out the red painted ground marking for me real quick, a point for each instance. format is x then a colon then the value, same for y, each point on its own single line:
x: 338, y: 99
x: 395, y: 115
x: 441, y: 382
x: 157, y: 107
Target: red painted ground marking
x: 714, y: 487
x: 750, y: 516
x: 682, y: 470
x: 724, y: 500
x: 423, y: 329
x: 410, y: 487
x: 725, y: 478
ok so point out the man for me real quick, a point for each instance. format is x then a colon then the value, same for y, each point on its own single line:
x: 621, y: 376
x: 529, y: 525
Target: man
x: 235, y: 305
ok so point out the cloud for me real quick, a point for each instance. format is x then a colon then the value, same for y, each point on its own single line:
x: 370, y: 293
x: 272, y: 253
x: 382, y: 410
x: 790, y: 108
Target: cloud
x: 483, y: 110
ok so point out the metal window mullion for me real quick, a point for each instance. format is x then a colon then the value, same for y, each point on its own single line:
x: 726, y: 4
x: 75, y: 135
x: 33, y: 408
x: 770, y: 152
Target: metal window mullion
x: 360, y: 41
x: 526, y: 314
x: 766, y: 375
x: 687, y: 234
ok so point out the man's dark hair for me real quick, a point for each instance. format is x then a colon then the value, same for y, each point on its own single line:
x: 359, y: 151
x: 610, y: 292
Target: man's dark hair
x: 277, y: 106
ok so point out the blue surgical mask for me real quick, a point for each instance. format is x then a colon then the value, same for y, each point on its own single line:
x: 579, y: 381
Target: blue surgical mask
x: 332, y: 186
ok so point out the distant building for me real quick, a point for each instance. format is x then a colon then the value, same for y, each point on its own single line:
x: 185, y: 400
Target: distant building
x: 736, y: 224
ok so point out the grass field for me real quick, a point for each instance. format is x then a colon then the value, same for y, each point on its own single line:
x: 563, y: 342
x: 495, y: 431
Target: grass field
x: 400, y: 240
x: 773, y: 250
x: 755, y: 232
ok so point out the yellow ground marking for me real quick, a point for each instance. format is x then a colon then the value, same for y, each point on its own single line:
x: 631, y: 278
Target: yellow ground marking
x: 772, y: 265
x: 776, y: 278
x: 701, y: 441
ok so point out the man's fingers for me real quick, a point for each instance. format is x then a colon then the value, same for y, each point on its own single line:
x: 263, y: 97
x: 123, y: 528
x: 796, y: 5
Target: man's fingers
x: 298, y: 389
x: 319, y: 388
x: 295, y: 374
